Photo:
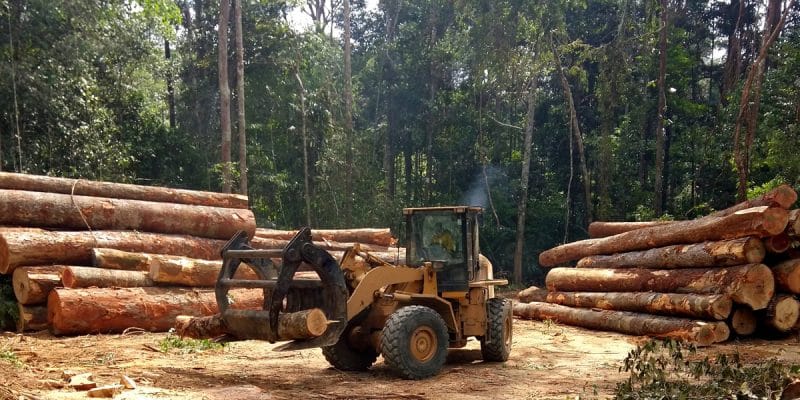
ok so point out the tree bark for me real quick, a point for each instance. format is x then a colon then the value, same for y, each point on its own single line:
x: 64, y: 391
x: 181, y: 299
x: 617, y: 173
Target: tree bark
x: 82, y: 187
x: 746, y: 250
x: 377, y: 236
x: 224, y: 93
x: 698, y: 332
x: 658, y: 190
x: 32, y: 284
x: 261, y: 243
x: 305, y: 324
x: 522, y: 204
x: 104, y: 310
x: 778, y: 244
x: 743, y: 321
x: 80, y: 212
x: 787, y: 276
x: 185, y: 271
x: 713, y: 307
x: 85, y: 277
x: 793, y: 227
x: 304, y: 135
x: 348, y: 119
x: 598, y: 229
x: 751, y: 284
x: 781, y: 315
x: 122, y: 260
x: 75, y: 248
x: 241, y: 125
x: 758, y: 221
x: 32, y: 318
x: 531, y: 294
x: 205, y: 327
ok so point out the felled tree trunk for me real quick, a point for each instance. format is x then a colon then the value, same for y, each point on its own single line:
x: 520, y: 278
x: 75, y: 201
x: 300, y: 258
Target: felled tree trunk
x: 740, y: 251
x: 743, y: 321
x: 81, y: 212
x: 380, y: 237
x: 82, y: 187
x: 787, y: 276
x: 781, y: 314
x: 266, y: 244
x: 121, y: 260
x: 783, y: 196
x: 304, y: 324
x: 186, y: 271
x: 75, y: 248
x: 714, y: 306
x: 85, y: 277
x: 32, y: 284
x: 598, y: 229
x: 32, y: 318
x: 533, y: 293
x: 751, y: 284
x: 104, y: 310
x: 698, y: 332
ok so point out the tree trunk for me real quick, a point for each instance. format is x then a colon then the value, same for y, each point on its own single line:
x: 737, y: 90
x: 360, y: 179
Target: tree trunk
x: 758, y: 221
x: 85, y: 277
x: 782, y: 196
x: 787, y: 276
x: 348, y: 119
x: 170, y: 85
x: 531, y: 294
x: 82, y: 187
x: 122, y: 260
x: 743, y: 321
x: 598, y: 229
x: 224, y: 94
x: 32, y: 318
x: 205, y: 327
x: 242, y: 127
x: 658, y: 190
x: 104, y: 310
x: 305, y: 324
x: 377, y: 236
x: 75, y: 248
x: 304, y: 135
x: 80, y: 212
x: 746, y: 250
x: 751, y: 284
x: 781, y: 315
x: 522, y: 204
x: 698, y: 332
x: 184, y: 271
x: 698, y: 306
x: 32, y: 284
x: 265, y: 244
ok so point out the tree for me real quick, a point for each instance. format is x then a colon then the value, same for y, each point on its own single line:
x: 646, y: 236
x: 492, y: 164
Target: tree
x: 658, y: 192
x: 242, y: 127
x: 224, y: 94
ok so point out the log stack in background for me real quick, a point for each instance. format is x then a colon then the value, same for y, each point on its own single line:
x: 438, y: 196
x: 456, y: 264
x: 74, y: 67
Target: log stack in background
x: 700, y: 280
x: 98, y: 257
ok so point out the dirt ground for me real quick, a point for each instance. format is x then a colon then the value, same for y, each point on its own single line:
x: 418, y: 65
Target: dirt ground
x: 548, y: 361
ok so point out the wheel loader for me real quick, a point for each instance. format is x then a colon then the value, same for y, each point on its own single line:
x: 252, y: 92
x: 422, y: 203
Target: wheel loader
x: 410, y: 314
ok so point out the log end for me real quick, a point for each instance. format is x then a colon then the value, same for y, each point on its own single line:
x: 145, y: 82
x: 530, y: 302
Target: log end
x: 758, y: 287
x: 532, y: 293
x: 721, y: 332
x: 785, y: 196
x: 775, y: 220
x: 68, y: 278
x: 754, y: 250
x: 21, y: 285
x: 743, y: 321
x: 721, y: 308
x: 784, y: 313
x: 316, y: 323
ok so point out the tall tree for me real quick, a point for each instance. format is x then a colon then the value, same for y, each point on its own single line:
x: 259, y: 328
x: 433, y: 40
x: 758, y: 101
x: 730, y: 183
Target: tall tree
x: 348, y: 116
x: 658, y: 192
x: 224, y: 94
x: 241, y: 125
x: 522, y: 204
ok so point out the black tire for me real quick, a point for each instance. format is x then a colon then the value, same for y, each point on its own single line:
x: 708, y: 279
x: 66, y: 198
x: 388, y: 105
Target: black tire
x: 496, y: 344
x: 414, y: 342
x: 345, y: 357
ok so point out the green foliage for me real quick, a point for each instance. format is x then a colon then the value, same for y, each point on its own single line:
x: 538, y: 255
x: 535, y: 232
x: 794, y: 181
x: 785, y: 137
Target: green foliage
x: 187, y: 346
x: 10, y: 357
x: 672, y: 370
x: 9, y: 311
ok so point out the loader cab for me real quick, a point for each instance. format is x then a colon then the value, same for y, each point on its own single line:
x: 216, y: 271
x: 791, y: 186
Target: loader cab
x: 447, y: 237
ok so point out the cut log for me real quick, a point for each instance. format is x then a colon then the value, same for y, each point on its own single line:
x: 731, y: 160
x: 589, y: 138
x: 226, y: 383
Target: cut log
x: 376, y: 236
x: 32, y: 318
x: 82, y: 187
x: 783, y: 196
x: 747, y: 250
x: 205, y: 327
x: 186, y: 271
x: 103, y: 310
x: 85, y: 277
x: 778, y: 244
x: 32, y: 284
x: 698, y: 332
x: 722, y: 331
x: 793, y: 227
x: 751, y: 284
x: 122, y: 260
x: 743, y: 321
x: 787, y: 276
x: 598, y: 229
x: 75, y: 248
x: 304, y: 324
x: 533, y: 293
x: 714, y: 306
x: 267, y: 244
x: 781, y: 314
x: 79, y: 212
x: 760, y: 222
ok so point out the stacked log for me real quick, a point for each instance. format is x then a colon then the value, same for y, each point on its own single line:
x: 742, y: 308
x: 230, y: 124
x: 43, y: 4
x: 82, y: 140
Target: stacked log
x: 698, y: 280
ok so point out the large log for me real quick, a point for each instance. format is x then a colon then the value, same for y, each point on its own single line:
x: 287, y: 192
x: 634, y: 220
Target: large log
x: 743, y: 321
x: 82, y: 187
x: 32, y: 318
x: 32, y: 284
x: 121, y: 260
x: 81, y: 212
x: 531, y: 294
x: 304, y: 324
x: 104, y: 310
x: 268, y: 244
x: 598, y: 229
x: 750, y: 284
x: 787, y: 276
x: 747, y: 250
x: 759, y: 221
x: 185, y: 271
x: 698, y: 332
x: 377, y: 236
x: 85, y: 277
x: 782, y: 196
x: 778, y: 244
x: 782, y: 313
x: 699, y: 306
x: 75, y: 248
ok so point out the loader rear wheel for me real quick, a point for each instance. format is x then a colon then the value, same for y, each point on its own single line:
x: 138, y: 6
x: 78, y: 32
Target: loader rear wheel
x: 345, y: 357
x: 414, y: 342
x: 496, y: 344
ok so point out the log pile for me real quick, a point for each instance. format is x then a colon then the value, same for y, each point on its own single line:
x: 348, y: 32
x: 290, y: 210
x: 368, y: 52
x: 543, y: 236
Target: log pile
x: 96, y: 257
x: 733, y: 272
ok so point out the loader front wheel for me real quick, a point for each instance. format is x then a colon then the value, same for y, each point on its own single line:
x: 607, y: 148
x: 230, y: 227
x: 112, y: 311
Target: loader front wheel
x: 496, y: 343
x: 345, y: 357
x: 414, y: 342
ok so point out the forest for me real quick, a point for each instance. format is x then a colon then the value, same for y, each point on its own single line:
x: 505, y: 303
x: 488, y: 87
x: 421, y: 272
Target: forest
x: 548, y: 114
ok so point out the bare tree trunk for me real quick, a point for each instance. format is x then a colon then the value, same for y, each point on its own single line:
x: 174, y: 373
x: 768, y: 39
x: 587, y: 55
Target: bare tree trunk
x: 170, y: 86
x: 237, y: 15
x: 304, y: 134
x: 526, y: 167
x: 432, y: 88
x: 348, y: 119
x: 224, y: 94
x: 18, y: 131
x: 733, y: 59
x: 658, y: 191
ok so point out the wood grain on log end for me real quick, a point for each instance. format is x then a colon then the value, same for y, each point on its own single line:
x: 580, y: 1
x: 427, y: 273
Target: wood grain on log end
x: 743, y: 321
